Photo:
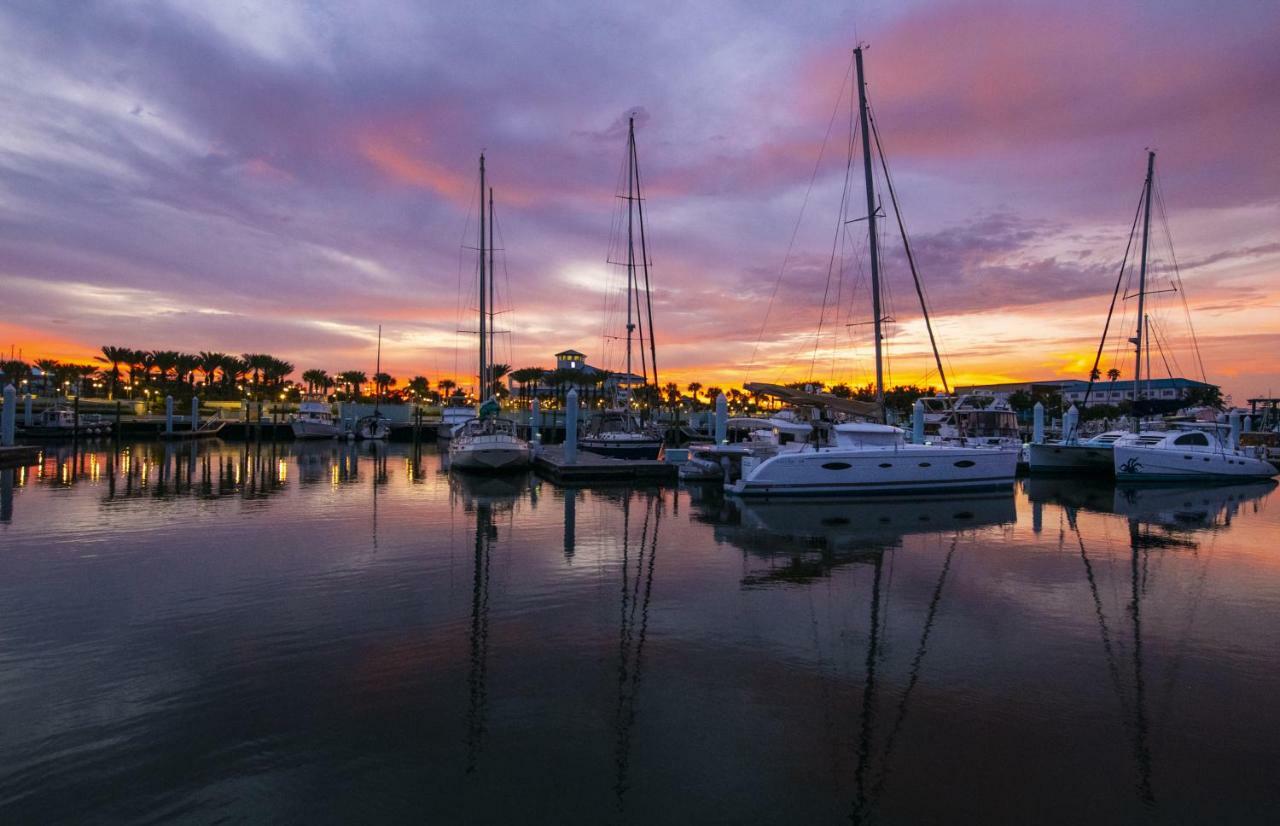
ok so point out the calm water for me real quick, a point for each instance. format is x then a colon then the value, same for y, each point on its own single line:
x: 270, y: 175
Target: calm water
x: 328, y: 633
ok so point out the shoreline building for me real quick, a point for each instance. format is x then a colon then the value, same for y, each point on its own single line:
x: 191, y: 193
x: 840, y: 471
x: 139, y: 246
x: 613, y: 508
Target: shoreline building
x: 1104, y: 391
x: 595, y: 382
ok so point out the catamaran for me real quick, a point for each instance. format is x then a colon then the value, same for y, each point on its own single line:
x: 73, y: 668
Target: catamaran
x: 487, y: 442
x: 860, y: 458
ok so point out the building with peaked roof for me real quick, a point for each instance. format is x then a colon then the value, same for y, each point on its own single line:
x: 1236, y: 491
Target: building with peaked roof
x: 573, y: 361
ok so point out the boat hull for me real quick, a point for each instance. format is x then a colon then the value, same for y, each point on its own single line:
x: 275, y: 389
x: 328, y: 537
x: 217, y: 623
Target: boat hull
x: 1146, y: 464
x: 880, y: 472
x: 1078, y: 459
x: 623, y: 449
x: 489, y: 454
x: 314, y: 430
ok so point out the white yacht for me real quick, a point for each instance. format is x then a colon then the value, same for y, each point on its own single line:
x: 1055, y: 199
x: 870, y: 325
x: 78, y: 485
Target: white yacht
x: 315, y: 420
x: 971, y: 420
x: 453, y: 416
x: 872, y: 458
x: 487, y: 442
x: 861, y: 458
x: 1185, y: 455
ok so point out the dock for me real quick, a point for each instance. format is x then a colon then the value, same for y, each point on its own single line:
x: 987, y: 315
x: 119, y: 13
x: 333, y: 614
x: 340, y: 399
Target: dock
x: 591, y: 467
x: 18, y: 455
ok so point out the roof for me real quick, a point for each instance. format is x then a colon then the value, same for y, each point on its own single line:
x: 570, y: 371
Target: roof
x: 1155, y: 384
x: 570, y: 353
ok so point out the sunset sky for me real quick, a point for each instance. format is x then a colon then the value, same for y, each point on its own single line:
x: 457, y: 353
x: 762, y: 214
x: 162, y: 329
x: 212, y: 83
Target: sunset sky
x: 283, y: 177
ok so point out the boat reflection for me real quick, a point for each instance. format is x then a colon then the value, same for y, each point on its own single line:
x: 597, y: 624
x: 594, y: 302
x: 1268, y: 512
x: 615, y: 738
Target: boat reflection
x: 816, y: 536
x: 1176, y: 508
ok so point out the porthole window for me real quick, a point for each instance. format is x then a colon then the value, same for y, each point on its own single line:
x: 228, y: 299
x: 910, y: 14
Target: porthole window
x: 964, y: 463
x: 926, y: 464
x: 838, y: 466
x: 886, y: 464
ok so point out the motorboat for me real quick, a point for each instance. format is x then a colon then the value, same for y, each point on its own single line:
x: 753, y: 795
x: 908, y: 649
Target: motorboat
x: 487, y: 442
x: 971, y: 420
x: 870, y: 458
x: 620, y: 434
x: 453, y: 415
x: 315, y: 420
x: 60, y: 420
x: 1187, y: 454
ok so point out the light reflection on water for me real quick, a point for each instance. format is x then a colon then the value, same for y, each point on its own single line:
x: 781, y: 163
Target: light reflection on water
x: 339, y: 632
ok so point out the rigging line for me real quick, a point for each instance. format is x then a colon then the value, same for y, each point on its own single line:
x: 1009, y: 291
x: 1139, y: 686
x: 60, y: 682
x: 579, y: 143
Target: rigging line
x: 1160, y: 345
x: 644, y: 260
x: 906, y: 245
x: 835, y: 240
x: 1128, y: 247
x: 786, y: 259
x: 1177, y: 273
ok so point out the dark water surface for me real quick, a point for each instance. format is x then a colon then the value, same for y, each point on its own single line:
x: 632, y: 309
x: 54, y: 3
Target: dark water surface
x: 332, y: 633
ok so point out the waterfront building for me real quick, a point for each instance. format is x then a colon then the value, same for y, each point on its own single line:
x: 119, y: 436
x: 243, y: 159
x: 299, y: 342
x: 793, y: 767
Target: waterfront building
x: 1104, y: 390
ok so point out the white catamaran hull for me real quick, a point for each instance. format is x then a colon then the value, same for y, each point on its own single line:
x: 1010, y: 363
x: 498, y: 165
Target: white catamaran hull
x: 879, y: 471
x: 489, y: 453
x: 1076, y: 458
x: 1165, y: 464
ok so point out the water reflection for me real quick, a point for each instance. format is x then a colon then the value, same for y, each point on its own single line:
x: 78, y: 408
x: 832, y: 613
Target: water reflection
x: 620, y: 655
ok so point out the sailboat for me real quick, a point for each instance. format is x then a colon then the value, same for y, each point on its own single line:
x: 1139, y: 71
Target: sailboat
x: 375, y: 426
x: 617, y: 431
x: 863, y: 458
x: 487, y: 442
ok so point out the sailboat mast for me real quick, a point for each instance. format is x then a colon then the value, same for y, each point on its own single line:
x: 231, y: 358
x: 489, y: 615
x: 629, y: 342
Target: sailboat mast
x: 377, y: 372
x: 631, y: 256
x: 1142, y: 284
x: 644, y: 254
x: 492, y: 277
x: 871, y: 230
x: 483, y: 295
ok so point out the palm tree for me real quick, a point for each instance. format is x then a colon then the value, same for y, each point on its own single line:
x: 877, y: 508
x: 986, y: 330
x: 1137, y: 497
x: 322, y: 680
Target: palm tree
x: 713, y: 393
x: 381, y: 381
x: 526, y: 376
x: 15, y: 372
x: 353, y: 379
x: 186, y: 366
x: 693, y: 389
x: 233, y: 369
x: 165, y: 361
x: 113, y: 356
x: 210, y: 363
x: 446, y: 385
x: 275, y: 371
x: 257, y: 362
x: 49, y: 372
x: 419, y: 386
x: 314, y: 378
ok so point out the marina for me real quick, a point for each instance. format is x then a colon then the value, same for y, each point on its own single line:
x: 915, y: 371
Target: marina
x: 339, y: 482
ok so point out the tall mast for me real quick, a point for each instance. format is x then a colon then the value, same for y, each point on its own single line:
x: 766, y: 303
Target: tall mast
x: 492, y: 277
x: 644, y: 254
x: 631, y: 255
x: 871, y: 229
x: 1142, y: 284
x: 377, y: 371
x: 483, y: 339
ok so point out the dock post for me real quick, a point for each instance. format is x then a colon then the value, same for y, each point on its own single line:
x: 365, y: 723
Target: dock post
x: 10, y: 415
x: 535, y: 421
x: 168, y: 414
x: 571, y: 427
x: 75, y: 419
x: 1069, y: 424
x: 27, y: 418
x: 1037, y: 424
x: 1248, y: 424
x: 117, y: 427
x: 195, y: 413
x: 1234, y: 418
x: 917, y: 423
x: 722, y: 419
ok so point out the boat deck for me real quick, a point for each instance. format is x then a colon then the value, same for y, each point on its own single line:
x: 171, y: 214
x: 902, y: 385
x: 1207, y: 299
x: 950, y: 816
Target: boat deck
x: 592, y: 467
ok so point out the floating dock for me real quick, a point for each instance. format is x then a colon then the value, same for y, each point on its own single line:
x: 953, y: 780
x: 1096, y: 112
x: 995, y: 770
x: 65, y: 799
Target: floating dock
x: 18, y: 455
x: 592, y: 467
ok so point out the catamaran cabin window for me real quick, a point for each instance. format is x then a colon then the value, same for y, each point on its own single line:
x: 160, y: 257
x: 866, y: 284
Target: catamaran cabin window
x: 1192, y: 439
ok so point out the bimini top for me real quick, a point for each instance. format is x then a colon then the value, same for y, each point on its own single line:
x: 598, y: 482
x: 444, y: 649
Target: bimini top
x: 867, y: 434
